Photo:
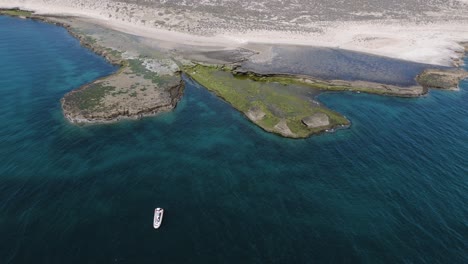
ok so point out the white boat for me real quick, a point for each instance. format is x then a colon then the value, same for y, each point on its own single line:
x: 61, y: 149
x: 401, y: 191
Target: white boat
x: 158, y: 216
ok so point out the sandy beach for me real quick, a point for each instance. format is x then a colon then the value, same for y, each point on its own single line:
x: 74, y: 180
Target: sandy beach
x: 432, y: 38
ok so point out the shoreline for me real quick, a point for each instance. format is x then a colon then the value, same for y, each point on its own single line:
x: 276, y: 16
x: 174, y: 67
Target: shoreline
x: 281, y: 127
x: 290, y: 116
x: 176, y: 90
x: 428, y: 77
x: 339, y: 85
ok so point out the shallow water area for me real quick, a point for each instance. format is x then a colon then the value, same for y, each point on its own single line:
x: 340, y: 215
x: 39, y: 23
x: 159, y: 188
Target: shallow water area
x: 334, y: 64
x: 390, y: 189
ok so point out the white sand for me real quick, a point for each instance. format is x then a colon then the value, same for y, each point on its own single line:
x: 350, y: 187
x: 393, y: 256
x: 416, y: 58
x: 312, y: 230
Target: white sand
x: 435, y: 43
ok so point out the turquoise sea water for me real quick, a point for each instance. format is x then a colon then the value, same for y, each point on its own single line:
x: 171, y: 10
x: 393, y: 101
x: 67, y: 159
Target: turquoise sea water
x: 392, y: 189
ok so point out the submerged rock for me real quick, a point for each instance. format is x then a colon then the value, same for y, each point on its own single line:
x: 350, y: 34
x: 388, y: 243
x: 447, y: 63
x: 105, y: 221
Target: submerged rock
x: 316, y: 120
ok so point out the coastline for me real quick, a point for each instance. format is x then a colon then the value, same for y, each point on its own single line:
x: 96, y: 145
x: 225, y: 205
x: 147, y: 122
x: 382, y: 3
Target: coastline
x: 338, y: 85
x: 293, y: 115
x: 429, y: 78
x: 282, y: 111
x: 434, y: 40
x: 171, y: 91
x: 174, y: 89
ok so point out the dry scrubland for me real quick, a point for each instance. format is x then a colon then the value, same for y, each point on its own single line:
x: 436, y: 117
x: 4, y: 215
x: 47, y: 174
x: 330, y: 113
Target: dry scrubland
x: 294, y: 15
x: 219, y: 16
x: 215, y: 16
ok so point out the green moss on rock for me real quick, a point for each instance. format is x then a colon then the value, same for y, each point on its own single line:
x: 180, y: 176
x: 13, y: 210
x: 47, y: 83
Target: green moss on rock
x: 16, y: 12
x: 274, y: 103
x: 89, y: 98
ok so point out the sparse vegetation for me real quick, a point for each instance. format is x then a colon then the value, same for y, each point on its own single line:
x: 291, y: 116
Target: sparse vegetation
x: 89, y: 40
x: 314, y: 85
x: 216, y: 16
x: 441, y: 79
x: 15, y: 12
x: 137, y: 67
x: 118, y: 95
x: 90, y: 97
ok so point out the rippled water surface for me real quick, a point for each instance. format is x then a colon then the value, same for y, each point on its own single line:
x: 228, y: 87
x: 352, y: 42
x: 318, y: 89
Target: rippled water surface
x: 391, y: 189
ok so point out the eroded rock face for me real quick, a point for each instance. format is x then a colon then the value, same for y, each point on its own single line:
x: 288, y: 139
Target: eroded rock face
x: 316, y: 120
x: 283, y: 129
x: 255, y: 114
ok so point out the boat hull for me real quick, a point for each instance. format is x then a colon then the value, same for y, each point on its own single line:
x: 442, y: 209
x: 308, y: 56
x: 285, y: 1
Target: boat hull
x: 158, y: 216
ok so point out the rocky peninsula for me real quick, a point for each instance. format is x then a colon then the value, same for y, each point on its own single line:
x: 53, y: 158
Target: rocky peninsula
x: 145, y: 84
x: 287, y: 104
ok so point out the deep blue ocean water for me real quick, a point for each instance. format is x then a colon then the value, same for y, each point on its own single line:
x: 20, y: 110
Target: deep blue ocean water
x: 392, y: 189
